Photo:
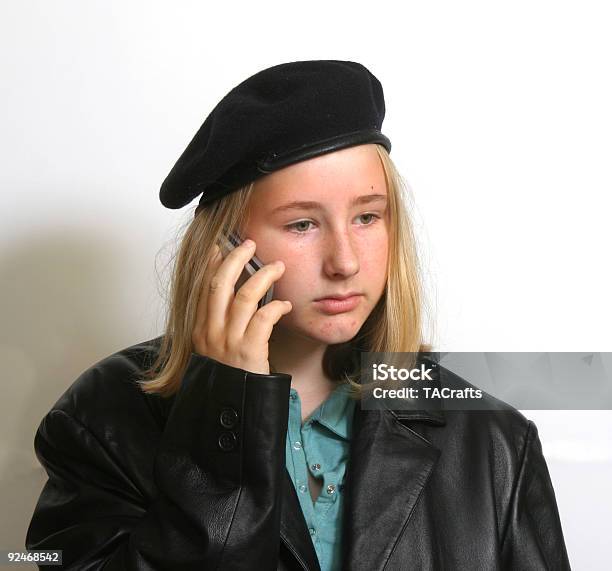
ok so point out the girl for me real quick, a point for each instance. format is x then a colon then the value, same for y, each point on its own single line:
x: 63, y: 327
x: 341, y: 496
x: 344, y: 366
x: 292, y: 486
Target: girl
x: 236, y: 440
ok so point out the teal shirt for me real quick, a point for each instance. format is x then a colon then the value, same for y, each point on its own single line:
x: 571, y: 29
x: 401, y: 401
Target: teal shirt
x: 321, y: 446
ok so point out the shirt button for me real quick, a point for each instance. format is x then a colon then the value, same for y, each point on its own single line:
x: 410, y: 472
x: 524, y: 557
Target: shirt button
x: 331, y: 489
x: 316, y: 467
x: 312, y: 530
x: 302, y: 488
x: 297, y: 445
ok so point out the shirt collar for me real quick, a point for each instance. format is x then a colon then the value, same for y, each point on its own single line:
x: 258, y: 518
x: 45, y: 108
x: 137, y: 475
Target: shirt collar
x: 336, y: 412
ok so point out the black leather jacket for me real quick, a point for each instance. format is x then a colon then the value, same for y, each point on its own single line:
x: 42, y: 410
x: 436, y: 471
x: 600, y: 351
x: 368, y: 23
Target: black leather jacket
x: 198, y: 481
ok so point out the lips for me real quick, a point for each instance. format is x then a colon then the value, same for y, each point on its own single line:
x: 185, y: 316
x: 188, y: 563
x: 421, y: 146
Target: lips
x: 339, y: 296
x: 333, y: 306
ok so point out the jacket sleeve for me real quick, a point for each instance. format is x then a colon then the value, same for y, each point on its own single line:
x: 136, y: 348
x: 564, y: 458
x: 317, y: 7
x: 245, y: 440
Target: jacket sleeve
x: 534, y: 538
x: 218, y: 471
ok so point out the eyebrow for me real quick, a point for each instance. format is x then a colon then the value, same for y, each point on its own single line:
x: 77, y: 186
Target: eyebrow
x: 309, y: 205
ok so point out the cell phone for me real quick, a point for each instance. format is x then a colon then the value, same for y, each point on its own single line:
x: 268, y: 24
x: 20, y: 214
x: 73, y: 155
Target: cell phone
x: 228, y: 243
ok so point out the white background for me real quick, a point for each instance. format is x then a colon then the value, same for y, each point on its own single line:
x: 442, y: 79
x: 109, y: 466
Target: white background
x: 500, y: 120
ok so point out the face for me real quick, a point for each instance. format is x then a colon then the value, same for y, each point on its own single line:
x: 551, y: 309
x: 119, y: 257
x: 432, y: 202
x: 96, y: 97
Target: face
x: 335, y: 245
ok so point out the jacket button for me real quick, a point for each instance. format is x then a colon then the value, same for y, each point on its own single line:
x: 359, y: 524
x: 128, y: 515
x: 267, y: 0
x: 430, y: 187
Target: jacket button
x: 228, y: 418
x: 227, y: 441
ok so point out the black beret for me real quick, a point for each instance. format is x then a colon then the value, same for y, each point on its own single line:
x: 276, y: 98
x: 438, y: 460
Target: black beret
x: 282, y: 115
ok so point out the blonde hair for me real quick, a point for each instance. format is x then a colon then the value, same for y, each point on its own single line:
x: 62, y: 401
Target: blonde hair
x: 394, y: 325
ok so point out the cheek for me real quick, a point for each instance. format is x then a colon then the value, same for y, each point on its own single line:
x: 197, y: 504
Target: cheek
x: 374, y: 259
x: 299, y: 281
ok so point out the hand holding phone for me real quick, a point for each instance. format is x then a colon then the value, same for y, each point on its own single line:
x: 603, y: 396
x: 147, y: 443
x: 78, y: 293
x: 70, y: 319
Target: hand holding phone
x: 234, y: 323
x: 228, y: 243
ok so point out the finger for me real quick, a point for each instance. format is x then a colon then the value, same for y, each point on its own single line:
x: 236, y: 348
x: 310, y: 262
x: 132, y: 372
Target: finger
x: 247, y: 298
x: 213, y: 264
x: 260, y: 327
x: 221, y: 287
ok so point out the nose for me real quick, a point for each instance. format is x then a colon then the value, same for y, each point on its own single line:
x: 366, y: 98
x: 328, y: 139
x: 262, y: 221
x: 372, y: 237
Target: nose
x: 340, y: 257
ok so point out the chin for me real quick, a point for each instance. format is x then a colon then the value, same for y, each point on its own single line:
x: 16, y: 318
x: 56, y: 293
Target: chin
x: 329, y: 330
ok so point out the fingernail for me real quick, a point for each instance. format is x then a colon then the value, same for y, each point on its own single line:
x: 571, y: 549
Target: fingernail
x: 249, y: 243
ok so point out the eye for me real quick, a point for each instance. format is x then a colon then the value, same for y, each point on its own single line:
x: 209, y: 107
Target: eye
x: 299, y: 226
x: 370, y: 214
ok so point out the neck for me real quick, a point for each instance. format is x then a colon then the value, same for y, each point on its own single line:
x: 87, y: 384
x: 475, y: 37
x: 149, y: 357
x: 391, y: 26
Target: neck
x: 302, y: 358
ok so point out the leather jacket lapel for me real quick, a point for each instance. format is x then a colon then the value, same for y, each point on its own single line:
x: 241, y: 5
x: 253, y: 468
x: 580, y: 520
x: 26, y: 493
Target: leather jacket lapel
x: 388, y: 467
